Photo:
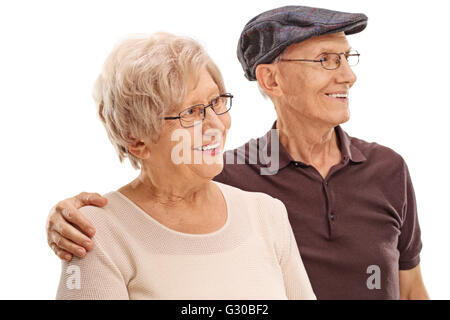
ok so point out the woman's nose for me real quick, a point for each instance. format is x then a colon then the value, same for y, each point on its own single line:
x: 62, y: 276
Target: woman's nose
x: 211, y: 119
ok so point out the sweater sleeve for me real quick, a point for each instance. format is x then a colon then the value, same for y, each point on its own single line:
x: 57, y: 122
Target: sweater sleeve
x: 93, y: 277
x: 296, y: 281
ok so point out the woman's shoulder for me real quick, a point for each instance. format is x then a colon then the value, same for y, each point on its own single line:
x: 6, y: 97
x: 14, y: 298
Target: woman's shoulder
x: 110, y: 219
x: 100, y: 213
x: 249, y: 195
x: 257, y: 202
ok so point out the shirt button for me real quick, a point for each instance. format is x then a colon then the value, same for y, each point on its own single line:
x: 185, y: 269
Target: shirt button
x: 332, y: 216
x: 297, y: 164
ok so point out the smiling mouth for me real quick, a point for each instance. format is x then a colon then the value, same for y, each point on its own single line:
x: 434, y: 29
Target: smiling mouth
x: 208, y: 147
x: 339, y: 96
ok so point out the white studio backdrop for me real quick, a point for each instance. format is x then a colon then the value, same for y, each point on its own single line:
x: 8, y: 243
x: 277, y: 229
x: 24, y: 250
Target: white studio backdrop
x: 53, y: 145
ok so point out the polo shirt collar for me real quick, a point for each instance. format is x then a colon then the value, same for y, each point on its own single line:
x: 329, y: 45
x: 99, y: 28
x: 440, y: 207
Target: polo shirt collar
x: 348, y: 150
x: 265, y: 143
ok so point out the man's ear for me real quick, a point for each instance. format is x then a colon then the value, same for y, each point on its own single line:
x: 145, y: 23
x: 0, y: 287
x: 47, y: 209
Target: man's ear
x: 138, y: 148
x: 266, y: 75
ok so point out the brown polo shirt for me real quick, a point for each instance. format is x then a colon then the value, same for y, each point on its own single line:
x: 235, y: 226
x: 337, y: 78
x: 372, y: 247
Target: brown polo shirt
x: 356, y: 228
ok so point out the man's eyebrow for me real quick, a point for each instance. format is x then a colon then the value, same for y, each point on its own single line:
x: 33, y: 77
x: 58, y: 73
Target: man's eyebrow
x: 325, y: 50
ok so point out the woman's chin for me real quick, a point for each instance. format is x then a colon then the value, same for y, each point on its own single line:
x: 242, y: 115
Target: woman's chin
x: 208, y: 170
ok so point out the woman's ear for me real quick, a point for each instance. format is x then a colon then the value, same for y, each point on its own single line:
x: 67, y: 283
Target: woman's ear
x: 266, y: 75
x: 138, y: 148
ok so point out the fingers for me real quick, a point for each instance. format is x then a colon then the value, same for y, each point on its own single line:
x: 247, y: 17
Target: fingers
x: 71, y: 233
x: 68, y: 230
x: 62, y: 254
x: 70, y: 213
x: 63, y: 244
x: 85, y: 198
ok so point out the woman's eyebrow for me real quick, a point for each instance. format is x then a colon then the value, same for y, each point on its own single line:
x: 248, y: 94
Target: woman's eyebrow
x: 212, y: 95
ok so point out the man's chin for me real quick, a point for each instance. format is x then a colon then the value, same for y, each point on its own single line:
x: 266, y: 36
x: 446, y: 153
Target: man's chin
x: 345, y: 119
x: 341, y: 118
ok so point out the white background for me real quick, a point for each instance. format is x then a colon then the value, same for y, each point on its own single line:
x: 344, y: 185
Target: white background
x: 53, y: 146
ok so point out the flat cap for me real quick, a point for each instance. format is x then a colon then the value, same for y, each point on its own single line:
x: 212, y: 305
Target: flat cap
x: 266, y: 36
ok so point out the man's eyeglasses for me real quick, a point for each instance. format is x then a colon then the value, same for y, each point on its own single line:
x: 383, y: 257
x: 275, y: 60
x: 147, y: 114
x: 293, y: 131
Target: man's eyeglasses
x: 195, y: 114
x: 332, y: 61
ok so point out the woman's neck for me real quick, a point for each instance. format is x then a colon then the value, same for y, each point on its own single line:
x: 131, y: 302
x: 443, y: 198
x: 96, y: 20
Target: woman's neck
x: 166, y: 191
x: 187, y: 208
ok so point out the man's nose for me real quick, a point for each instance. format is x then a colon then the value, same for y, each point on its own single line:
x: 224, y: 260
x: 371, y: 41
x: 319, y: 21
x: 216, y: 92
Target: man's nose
x: 345, y: 72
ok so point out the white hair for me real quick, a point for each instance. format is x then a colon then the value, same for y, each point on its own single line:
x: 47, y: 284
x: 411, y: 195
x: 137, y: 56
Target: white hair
x: 144, y: 78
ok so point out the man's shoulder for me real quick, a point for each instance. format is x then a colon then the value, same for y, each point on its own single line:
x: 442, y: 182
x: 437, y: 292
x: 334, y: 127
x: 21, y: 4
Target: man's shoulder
x: 375, y: 152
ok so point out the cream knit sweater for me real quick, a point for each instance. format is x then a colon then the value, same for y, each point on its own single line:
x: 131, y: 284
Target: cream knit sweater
x: 253, y: 256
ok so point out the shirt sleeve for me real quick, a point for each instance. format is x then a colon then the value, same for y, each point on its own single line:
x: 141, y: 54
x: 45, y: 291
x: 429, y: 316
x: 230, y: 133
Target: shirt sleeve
x: 409, y: 244
x: 296, y: 281
x: 94, y: 277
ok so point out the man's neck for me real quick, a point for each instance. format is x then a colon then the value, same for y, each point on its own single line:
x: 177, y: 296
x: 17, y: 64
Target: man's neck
x: 311, y: 143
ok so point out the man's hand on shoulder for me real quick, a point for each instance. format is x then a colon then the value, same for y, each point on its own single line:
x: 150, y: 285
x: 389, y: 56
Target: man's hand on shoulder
x: 68, y: 230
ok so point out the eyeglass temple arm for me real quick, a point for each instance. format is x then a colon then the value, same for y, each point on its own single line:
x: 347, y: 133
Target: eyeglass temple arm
x: 308, y: 60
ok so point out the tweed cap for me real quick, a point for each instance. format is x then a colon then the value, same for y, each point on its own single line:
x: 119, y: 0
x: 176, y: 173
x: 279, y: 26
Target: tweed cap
x: 267, y: 35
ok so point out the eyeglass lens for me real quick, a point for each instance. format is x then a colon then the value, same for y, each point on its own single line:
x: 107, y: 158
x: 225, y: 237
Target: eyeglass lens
x: 196, y: 113
x: 333, y: 60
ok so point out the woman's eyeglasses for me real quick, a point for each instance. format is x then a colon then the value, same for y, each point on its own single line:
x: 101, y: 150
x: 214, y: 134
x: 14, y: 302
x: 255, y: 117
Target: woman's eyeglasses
x: 195, y: 114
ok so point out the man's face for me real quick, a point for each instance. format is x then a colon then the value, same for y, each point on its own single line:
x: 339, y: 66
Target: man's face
x: 306, y: 86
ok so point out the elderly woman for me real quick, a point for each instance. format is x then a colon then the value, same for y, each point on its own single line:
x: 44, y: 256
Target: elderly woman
x: 173, y: 233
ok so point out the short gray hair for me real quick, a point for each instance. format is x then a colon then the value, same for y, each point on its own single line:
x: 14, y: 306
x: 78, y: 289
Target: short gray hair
x: 144, y: 78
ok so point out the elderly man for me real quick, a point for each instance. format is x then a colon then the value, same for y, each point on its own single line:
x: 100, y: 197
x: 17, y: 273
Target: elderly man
x: 351, y: 203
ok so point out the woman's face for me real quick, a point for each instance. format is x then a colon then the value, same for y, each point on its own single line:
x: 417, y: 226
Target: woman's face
x: 194, y: 152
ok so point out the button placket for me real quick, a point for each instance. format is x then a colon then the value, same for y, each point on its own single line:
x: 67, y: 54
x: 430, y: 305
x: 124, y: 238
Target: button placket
x: 331, y: 216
